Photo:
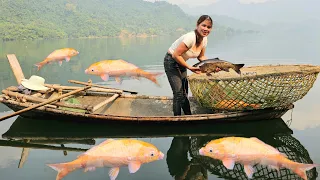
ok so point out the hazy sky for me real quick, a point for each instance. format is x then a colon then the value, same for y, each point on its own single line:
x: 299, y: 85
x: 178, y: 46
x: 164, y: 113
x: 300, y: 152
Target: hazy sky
x: 204, y: 2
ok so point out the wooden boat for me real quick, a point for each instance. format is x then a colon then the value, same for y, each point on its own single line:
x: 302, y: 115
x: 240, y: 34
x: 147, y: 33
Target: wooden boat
x: 97, y: 106
x: 103, y: 104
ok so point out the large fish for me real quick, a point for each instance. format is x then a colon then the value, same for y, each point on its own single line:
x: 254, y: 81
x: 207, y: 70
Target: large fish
x: 112, y: 153
x: 210, y: 65
x: 251, y: 151
x: 58, y: 56
x: 118, y: 69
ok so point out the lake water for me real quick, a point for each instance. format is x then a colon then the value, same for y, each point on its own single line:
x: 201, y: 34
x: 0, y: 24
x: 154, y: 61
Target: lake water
x: 296, y: 134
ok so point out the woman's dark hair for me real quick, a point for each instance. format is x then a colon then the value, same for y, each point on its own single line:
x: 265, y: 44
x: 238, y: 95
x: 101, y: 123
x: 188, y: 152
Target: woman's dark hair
x: 203, y: 18
x: 200, y: 20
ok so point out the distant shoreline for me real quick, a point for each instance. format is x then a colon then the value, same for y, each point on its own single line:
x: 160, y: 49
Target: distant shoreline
x: 90, y: 37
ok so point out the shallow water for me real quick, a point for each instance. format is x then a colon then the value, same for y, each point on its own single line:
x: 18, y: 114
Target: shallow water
x: 296, y: 133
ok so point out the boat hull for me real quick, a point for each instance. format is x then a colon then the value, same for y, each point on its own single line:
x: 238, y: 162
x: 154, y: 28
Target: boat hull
x: 51, y: 113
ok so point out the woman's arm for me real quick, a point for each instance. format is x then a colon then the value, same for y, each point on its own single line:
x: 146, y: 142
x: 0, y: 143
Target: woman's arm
x: 177, y: 55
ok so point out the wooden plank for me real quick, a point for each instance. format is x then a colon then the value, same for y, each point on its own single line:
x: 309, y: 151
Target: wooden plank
x: 40, y: 100
x: 98, y: 106
x: 43, y: 103
x: 16, y: 68
x: 23, y: 158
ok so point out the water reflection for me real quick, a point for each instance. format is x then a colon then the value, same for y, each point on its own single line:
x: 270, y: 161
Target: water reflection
x: 284, y: 142
x: 180, y: 167
x: 182, y: 158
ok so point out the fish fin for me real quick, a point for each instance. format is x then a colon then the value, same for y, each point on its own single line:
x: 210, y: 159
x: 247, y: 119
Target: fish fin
x: 104, y: 77
x: 249, y: 170
x: 38, y: 66
x: 62, y: 169
x: 196, y: 64
x: 113, y: 173
x: 228, y: 163
x: 89, y: 169
x: 274, y: 167
x: 151, y: 76
x: 226, y: 69
x: 68, y: 59
x: 118, y: 80
x: 134, y: 166
x: 300, y: 169
x: 60, y: 63
x: 271, y: 148
x: 238, y: 67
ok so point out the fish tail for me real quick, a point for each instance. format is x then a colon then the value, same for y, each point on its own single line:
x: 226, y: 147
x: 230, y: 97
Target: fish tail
x: 62, y: 168
x: 151, y: 76
x: 300, y: 168
x: 39, y: 65
x: 237, y: 68
x: 196, y: 64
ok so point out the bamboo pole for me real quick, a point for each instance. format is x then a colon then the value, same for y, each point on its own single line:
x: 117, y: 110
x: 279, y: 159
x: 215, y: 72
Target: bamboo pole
x: 98, y: 106
x: 43, y: 103
x: 11, y: 143
x: 104, y: 87
x: 55, y: 86
x: 15, y: 88
x: 40, y: 100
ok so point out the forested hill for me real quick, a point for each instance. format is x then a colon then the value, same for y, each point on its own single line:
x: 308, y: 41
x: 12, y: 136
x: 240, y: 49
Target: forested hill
x: 32, y: 19
x: 46, y: 19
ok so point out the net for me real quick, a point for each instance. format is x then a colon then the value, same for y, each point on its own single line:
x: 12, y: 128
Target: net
x: 258, y: 87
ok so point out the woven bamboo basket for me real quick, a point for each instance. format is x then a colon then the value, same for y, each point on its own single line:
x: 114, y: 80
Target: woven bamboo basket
x: 258, y: 87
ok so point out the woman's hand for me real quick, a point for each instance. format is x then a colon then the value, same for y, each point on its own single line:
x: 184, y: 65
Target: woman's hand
x: 195, y: 69
x: 218, y: 69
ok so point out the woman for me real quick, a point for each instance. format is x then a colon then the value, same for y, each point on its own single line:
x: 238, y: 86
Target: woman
x: 180, y: 167
x: 190, y: 45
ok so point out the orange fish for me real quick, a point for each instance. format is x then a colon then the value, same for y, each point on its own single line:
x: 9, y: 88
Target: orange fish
x: 234, y: 104
x: 58, y: 55
x: 118, y: 68
x: 112, y: 153
x: 251, y: 151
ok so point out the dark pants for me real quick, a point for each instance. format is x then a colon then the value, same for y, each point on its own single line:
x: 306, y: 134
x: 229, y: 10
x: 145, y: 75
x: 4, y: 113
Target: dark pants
x: 177, y: 76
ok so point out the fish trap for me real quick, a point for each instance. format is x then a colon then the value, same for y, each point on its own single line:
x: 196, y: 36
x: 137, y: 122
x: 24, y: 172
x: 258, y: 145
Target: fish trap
x: 258, y: 87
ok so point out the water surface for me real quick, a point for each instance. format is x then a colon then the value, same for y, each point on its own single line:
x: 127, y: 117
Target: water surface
x: 297, y: 133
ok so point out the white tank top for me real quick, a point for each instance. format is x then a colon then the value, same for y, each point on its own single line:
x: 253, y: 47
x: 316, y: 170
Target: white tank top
x: 189, y: 40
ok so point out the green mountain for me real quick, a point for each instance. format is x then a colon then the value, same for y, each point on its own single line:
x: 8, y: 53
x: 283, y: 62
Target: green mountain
x: 33, y: 19
x: 47, y: 19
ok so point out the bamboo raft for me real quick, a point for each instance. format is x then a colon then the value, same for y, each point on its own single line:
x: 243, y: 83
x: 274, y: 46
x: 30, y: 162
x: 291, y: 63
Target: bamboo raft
x: 95, y: 103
